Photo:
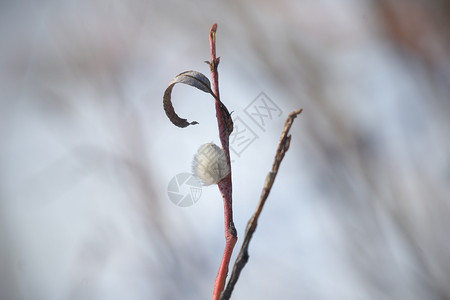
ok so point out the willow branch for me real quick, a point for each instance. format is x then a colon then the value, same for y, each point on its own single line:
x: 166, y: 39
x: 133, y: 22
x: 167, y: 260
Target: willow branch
x: 225, y: 186
x: 243, y: 256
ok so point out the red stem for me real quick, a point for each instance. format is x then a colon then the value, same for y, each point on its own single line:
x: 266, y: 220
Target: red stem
x: 225, y: 186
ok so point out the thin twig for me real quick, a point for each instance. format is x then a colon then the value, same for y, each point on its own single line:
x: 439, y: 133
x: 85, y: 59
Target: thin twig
x: 225, y: 186
x: 243, y: 256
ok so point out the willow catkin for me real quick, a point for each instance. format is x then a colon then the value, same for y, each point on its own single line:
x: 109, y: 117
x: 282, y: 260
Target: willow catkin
x: 210, y: 164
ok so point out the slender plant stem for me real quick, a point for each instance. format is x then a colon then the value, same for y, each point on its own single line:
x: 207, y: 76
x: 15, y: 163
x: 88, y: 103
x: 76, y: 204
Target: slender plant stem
x: 243, y: 256
x: 225, y: 186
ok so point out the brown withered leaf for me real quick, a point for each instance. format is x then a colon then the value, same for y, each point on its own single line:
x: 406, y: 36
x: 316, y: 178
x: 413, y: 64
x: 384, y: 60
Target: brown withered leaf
x: 192, y: 78
x: 227, y: 119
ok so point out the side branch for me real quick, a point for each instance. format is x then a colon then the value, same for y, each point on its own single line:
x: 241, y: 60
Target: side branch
x: 243, y: 256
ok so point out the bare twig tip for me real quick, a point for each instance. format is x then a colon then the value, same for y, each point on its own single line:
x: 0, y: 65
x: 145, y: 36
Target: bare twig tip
x: 295, y: 113
x: 212, y: 33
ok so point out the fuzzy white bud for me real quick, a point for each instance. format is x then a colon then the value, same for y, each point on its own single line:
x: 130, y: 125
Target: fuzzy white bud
x: 210, y: 164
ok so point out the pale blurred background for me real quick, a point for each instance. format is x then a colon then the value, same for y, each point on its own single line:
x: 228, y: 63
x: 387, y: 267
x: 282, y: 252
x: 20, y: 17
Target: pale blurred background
x: 361, y: 206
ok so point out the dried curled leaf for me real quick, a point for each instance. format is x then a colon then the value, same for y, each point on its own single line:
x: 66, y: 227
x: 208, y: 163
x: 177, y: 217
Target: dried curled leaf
x: 226, y: 116
x: 192, y: 78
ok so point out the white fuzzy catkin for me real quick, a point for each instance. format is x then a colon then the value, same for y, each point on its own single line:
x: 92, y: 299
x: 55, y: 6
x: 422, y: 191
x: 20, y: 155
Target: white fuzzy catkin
x: 210, y: 164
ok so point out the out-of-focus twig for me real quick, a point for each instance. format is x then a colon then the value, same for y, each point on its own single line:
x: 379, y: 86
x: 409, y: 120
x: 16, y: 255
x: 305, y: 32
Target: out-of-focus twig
x: 243, y: 256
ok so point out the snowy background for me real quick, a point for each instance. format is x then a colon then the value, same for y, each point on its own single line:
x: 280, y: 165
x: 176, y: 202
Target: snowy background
x: 359, y: 210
